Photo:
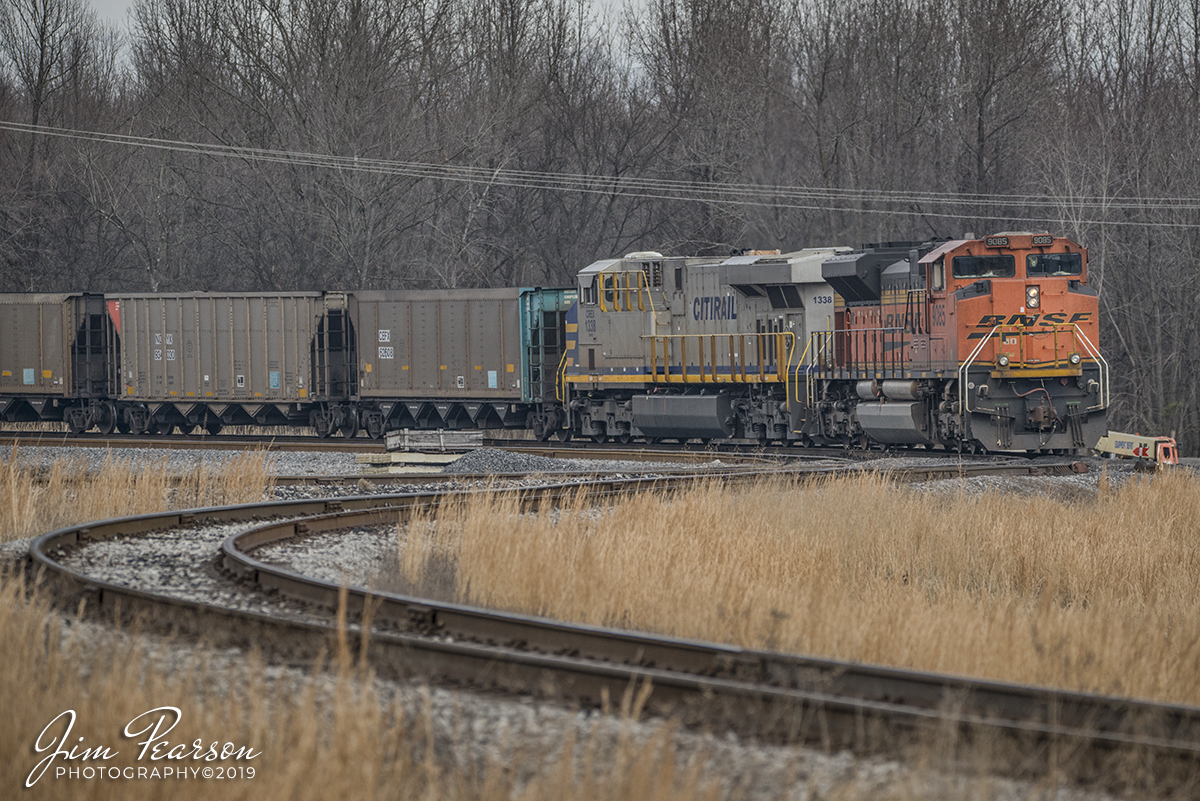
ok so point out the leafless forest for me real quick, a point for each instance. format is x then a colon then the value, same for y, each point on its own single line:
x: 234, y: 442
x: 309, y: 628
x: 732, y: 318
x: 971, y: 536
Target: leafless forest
x: 401, y: 143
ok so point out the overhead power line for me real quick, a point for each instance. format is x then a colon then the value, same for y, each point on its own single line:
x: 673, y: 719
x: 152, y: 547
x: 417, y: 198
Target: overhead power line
x: 983, y: 207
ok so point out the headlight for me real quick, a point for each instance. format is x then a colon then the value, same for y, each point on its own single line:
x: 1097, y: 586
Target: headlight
x: 1003, y: 360
x: 1074, y: 358
x: 1033, y: 297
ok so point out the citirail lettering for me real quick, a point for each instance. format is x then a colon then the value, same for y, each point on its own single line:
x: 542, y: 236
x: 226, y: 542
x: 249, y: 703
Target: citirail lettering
x: 714, y: 308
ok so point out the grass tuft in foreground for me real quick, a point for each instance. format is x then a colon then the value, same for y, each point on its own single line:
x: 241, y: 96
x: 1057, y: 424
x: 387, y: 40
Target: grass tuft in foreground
x: 1102, y: 595
x: 34, y: 501
x: 328, y: 736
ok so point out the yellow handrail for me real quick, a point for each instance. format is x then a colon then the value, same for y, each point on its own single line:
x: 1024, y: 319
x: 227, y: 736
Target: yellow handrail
x: 629, y: 290
x: 785, y: 344
x: 560, y: 377
x: 798, y: 365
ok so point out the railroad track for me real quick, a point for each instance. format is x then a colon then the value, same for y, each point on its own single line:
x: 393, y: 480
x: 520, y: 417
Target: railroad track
x: 685, y: 452
x: 363, y: 445
x: 219, y: 442
x: 761, y: 694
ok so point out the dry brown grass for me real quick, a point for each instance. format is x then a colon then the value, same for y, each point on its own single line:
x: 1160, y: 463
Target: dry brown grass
x: 332, y: 737
x: 36, y: 501
x: 1101, y: 595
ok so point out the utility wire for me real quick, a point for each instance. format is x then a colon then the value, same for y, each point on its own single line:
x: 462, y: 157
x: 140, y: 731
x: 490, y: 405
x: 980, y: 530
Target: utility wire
x: 743, y: 194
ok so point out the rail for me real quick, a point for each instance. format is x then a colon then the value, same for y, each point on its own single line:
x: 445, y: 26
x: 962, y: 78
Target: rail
x: 613, y: 294
x: 1105, y: 392
x: 963, y: 395
x: 874, y: 352
x: 774, y: 351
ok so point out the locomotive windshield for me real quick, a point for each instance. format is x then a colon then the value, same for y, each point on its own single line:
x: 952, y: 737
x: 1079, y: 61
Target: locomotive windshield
x: 984, y: 267
x: 1038, y: 264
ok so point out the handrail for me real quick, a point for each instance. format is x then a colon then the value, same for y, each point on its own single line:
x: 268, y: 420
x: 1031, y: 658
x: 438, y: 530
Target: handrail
x: 881, y: 360
x: 782, y: 362
x: 963, y: 395
x: 643, y: 286
x: 560, y: 377
x: 798, y: 366
x: 1105, y: 389
x: 787, y: 386
x: 1022, y: 332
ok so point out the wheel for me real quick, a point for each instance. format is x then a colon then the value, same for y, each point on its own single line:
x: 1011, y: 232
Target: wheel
x: 600, y: 439
x: 122, y: 422
x: 322, y: 423
x: 624, y: 438
x: 75, y: 424
x: 107, y: 418
x: 349, y: 426
x: 564, y: 434
x: 653, y: 440
x: 213, y: 424
x: 373, y: 423
x: 542, y: 430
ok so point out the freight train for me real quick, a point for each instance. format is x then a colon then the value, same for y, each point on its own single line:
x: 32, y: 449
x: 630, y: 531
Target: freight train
x: 974, y: 344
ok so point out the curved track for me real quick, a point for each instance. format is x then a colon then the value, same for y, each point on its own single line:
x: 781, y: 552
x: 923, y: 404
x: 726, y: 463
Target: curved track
x: 769, y: 695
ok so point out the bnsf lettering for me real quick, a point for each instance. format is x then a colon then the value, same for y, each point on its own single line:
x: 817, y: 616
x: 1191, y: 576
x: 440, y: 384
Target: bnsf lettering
x: 989, y: 321
x: 714, y: 308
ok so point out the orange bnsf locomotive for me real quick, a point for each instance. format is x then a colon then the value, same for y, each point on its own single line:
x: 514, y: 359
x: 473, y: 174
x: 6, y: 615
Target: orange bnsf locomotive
x: 981, y: 344
x: 973, y: 344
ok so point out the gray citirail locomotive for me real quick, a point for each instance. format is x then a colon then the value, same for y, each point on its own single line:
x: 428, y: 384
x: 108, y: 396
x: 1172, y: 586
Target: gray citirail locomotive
x: 694, y: 347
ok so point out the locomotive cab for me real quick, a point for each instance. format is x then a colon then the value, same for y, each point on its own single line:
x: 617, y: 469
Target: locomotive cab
x: 1023, y: 324
x: 971, y: 344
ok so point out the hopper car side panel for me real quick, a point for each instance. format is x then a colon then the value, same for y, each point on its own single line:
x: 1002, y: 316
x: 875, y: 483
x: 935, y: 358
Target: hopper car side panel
x: 35, y: 337
x: 199, y: 358
x: 472, y: 358
x: 54, y: 359
x: 439, y: 344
